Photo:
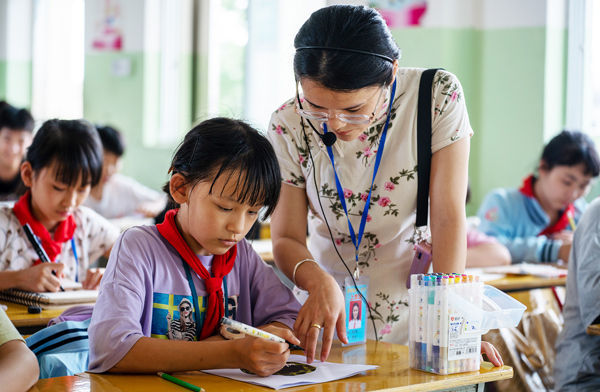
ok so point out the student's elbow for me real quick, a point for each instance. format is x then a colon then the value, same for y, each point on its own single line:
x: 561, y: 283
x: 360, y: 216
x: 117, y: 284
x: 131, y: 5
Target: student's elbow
x: 25, y: 370
x: 30, y: 363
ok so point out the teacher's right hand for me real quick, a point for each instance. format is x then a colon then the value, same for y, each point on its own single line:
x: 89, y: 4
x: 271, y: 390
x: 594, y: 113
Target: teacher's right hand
x: 324, y: 308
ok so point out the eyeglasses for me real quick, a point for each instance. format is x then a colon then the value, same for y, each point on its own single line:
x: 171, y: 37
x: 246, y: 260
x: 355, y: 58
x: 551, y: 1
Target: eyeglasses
x: 324, y: 117
x: 185, y: 308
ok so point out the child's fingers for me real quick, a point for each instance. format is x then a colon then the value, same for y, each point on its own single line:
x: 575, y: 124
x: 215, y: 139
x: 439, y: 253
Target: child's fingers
x: 492, y: 354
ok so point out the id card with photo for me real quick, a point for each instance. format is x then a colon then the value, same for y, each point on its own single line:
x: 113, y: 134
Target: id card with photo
x: 356, y: 310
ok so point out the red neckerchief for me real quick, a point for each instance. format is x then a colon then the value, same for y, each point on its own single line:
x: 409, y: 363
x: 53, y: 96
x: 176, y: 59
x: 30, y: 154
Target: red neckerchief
x: 563, y: 221
x: 221, y: 266
x: 64, y: 231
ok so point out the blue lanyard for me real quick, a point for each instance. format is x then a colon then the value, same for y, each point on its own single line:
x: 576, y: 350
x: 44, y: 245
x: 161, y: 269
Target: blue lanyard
x: 188, y: 274
x: 356, y: 240
x: 76, y: 259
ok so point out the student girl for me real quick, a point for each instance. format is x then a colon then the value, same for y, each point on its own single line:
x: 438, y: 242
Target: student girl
x: 62, y: 164
x: 222, y: 175
x: 536, y: 221
x: 347, y: 65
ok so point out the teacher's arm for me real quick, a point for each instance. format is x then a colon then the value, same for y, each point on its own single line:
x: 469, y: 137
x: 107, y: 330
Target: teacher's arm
x: 325, y: 303
x: 448, y: 190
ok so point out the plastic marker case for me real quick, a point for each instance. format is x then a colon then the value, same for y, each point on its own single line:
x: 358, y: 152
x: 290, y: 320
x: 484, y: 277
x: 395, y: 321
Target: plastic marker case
x: 448, y: 313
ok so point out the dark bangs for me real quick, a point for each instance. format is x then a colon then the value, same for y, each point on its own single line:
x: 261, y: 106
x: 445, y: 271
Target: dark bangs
x: 75, y: 148
x: 259, y: 179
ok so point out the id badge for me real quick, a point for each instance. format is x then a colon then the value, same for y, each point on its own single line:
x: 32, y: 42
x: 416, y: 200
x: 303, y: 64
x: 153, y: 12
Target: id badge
x: 356, y: 310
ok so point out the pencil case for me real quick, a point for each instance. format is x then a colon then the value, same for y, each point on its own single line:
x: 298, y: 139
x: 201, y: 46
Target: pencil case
x: 447, y: 322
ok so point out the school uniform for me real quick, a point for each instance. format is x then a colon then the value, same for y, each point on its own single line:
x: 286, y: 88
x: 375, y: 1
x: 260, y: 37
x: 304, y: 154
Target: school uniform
x: 577, y: 365
x: 516, y: 218
x: 92, y: 237
x: 146, y: 280
x: 122, y: 196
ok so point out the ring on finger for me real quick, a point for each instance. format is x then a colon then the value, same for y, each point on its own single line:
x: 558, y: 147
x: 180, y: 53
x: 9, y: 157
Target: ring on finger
x: 316, y: 326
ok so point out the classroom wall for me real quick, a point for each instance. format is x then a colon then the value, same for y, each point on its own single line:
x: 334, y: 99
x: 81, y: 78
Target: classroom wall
x: 510, y: 56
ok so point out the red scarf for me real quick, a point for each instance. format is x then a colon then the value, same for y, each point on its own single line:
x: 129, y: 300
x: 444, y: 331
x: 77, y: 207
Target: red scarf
x: 64, y: 231
x: 221, y: 266
x: 563, y: 221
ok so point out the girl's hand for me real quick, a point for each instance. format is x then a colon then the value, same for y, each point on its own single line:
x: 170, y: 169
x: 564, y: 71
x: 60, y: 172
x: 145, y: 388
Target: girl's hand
x: 92, y: 278
x: 260, y: 356
x: 283, y: 332
x: 324, y: 307
x: 492, y: 354
x: 39, y: 278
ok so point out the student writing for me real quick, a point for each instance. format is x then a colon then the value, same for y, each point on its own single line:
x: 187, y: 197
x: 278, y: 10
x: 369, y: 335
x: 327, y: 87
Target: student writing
x: 533, y: 221
x: 168, y: 285
x: 117, y: 195
x: 62, y: 164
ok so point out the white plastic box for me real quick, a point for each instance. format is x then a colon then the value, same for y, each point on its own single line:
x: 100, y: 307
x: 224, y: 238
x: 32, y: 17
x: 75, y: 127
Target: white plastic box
x: 447, y: 321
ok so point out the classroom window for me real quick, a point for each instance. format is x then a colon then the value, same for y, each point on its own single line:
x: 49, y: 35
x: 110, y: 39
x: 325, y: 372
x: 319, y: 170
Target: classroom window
x: 58, y: 59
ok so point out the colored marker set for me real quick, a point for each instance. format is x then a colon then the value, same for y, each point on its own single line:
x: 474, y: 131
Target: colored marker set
x: 448, y: 313
x: 442, y: 340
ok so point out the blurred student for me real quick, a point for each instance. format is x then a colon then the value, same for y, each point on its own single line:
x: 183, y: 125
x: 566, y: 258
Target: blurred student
x: 535, y: 222
x: 167, y: 286
x: 62, y: 164
x: 116, y: 195
x: 577, y: 366
x: 483, y: 250
x: 16, y: 133
x: 19, y: 368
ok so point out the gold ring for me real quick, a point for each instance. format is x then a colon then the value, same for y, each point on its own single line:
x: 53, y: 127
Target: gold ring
x: 316, y: 326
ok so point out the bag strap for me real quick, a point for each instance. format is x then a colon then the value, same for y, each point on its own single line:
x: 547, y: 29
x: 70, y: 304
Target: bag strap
x: 424, y: 145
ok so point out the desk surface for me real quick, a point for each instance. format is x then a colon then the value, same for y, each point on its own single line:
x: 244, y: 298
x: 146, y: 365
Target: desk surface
x: 525, y: 282
x: 594, y: 330
x: 393, y: 375
x: 20, y: 318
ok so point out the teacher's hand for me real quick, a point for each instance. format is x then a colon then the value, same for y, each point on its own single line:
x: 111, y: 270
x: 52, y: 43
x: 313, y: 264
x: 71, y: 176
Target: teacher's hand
x: 324, y: 309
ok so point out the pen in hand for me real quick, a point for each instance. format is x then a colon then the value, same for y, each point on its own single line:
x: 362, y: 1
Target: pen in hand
x: 38, y: 248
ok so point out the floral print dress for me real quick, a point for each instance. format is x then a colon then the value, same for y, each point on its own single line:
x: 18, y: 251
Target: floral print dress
x: 385, y: 251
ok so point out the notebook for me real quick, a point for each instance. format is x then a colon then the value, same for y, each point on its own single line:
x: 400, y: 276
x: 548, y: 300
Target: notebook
x: 59, y: 299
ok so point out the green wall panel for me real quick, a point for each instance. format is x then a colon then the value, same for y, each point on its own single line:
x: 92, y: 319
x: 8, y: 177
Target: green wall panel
x: 15, y: 82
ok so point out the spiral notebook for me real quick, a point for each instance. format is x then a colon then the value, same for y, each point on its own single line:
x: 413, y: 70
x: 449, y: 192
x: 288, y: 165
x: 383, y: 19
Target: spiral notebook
x: 50, y: 300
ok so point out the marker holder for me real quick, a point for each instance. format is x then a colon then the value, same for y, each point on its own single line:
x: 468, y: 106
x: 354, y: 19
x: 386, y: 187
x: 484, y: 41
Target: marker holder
x: 447, y: 322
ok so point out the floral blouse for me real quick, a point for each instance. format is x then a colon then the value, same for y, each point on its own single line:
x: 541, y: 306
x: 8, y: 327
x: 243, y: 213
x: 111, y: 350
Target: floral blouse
x: 385, y: 253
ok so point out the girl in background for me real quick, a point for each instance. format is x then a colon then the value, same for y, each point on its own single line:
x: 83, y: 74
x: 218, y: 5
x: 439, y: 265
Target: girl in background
x: 222, y: 175
x: 536, y: 221
x: 62, y: 164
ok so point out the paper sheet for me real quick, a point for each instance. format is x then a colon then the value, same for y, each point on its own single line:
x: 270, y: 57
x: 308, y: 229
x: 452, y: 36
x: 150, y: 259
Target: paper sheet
x: 323, y: 372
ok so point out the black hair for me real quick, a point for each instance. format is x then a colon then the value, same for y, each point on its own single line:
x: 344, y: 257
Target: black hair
x: 112, y: 140
x: 15, y: 119
x: 347, y: 27
x: 571, y: 148
x: 75, y: 147
x: 221, y: 146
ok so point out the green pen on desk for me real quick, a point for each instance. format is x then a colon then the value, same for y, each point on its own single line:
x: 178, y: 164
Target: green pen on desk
x: 180, y: 382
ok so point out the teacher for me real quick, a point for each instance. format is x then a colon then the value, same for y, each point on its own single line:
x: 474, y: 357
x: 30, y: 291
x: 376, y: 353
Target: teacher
x: 346, y: 65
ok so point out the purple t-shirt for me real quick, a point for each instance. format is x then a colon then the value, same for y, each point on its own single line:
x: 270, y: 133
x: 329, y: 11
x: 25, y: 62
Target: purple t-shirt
x: 145, y: 292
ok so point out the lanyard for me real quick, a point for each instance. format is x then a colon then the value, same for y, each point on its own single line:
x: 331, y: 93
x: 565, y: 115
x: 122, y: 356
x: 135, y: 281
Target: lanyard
x: 188, y: 274
x: 76, y: 259
x: 356, y: 240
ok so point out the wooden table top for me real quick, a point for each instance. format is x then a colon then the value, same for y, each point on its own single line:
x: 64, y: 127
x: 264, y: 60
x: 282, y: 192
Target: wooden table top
x: 393, y: 375
x: 594, y: 330
x: 21, y: 318
x: 525, y: 282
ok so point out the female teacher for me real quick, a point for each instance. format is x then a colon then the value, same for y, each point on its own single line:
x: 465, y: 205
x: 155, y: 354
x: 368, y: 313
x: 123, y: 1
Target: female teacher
x: 346, y: 65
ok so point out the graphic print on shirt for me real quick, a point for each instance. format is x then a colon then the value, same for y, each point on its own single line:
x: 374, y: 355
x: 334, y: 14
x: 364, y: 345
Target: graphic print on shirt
x: 174, y: 318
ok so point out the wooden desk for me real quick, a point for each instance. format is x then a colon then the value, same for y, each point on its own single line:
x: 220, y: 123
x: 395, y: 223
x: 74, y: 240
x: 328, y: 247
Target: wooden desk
x: 525, y: 282
x: 27, y: 323
x: 393, y: 375
x: 594, y: 330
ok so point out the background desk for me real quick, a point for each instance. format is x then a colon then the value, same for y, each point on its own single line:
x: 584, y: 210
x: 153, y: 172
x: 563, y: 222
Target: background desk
x: 27, y: 323
x: 525, y: 282
x: 393, y: 375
